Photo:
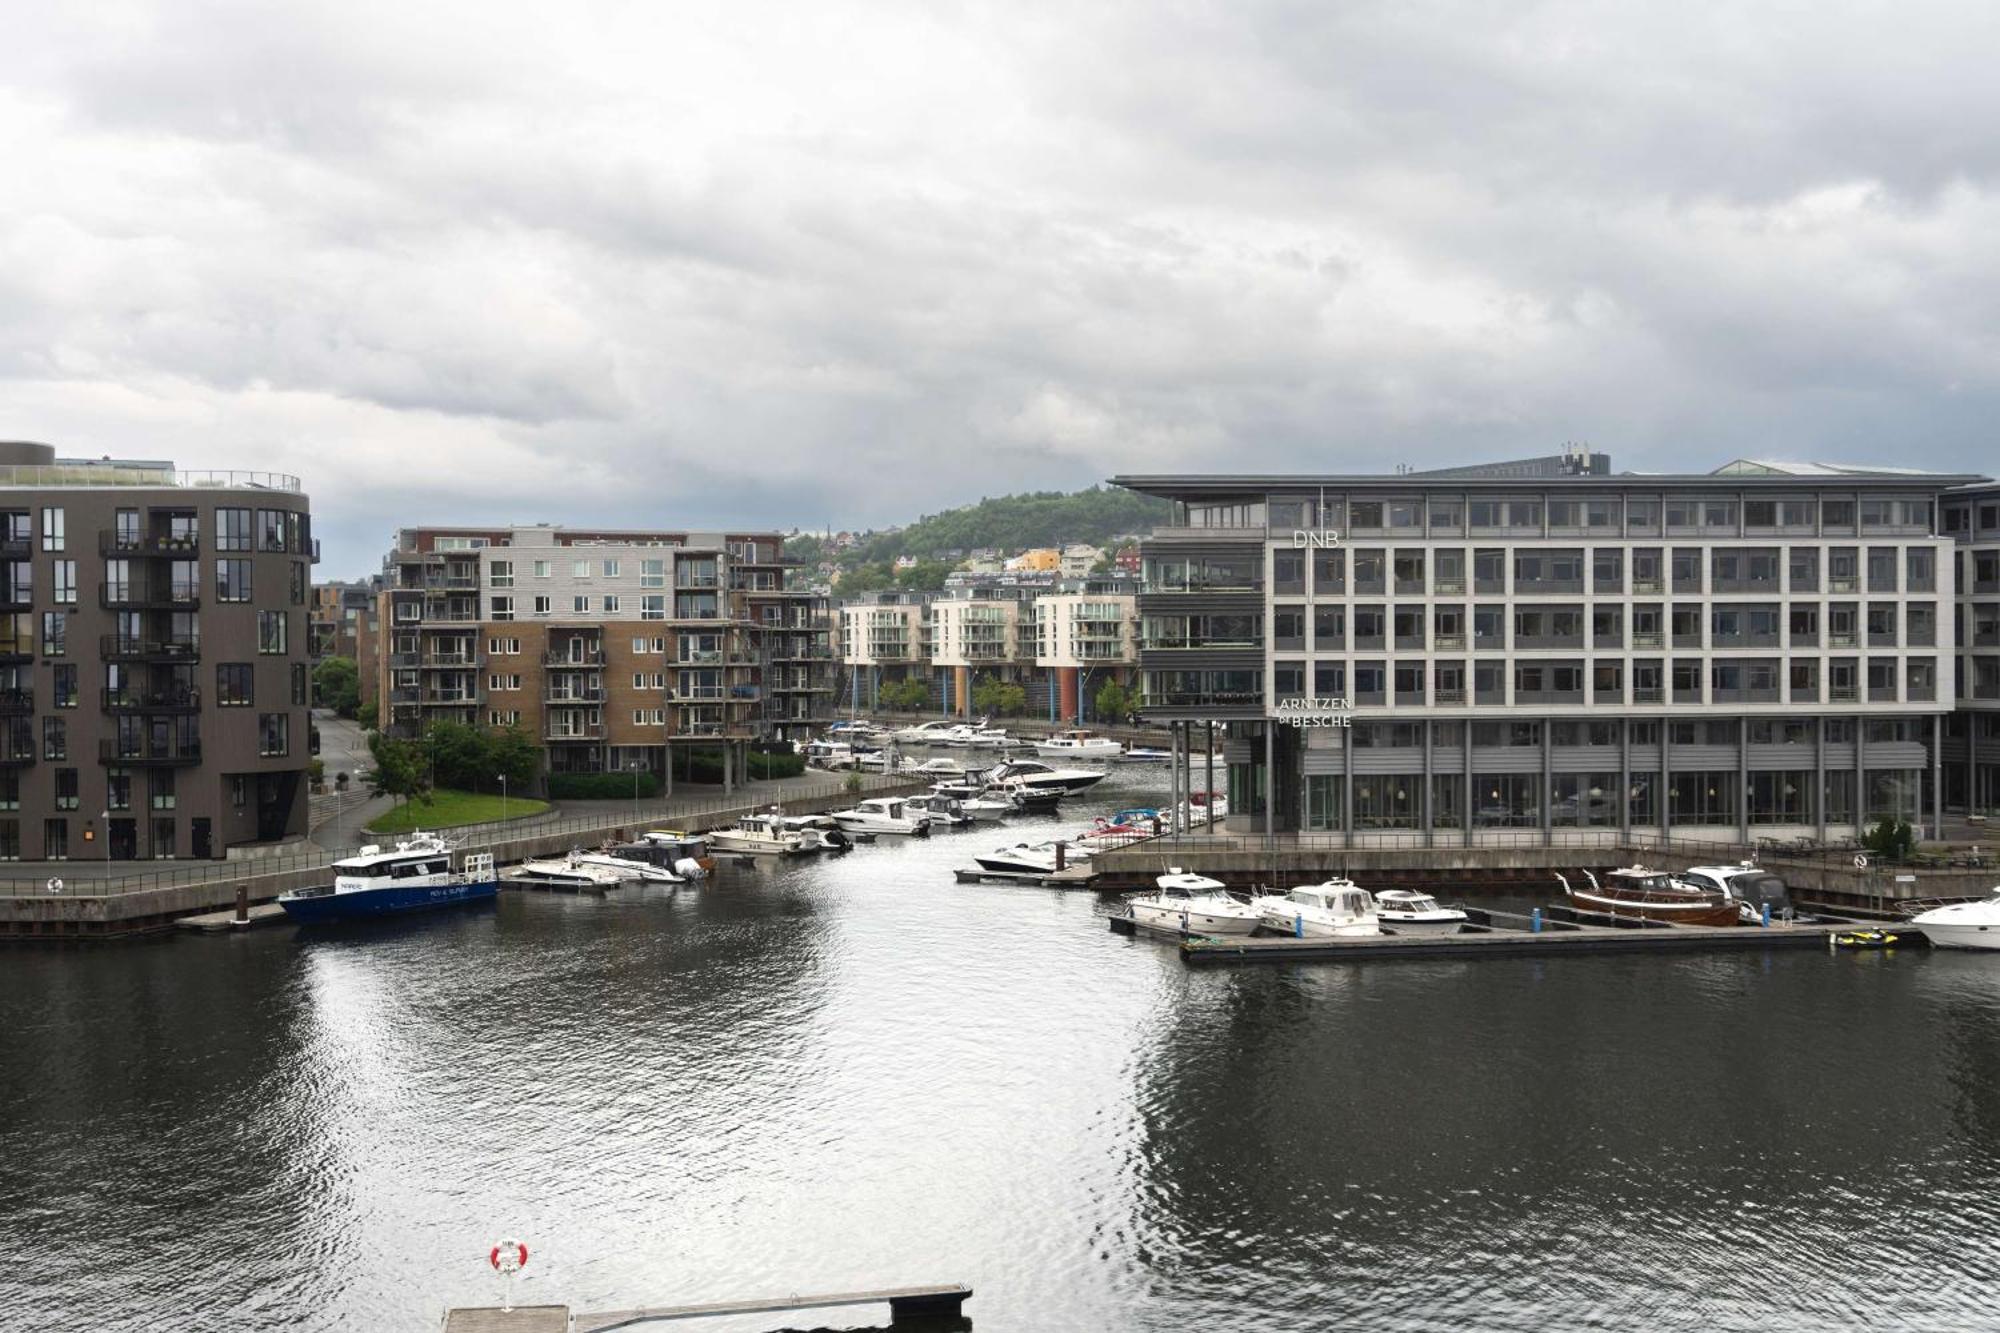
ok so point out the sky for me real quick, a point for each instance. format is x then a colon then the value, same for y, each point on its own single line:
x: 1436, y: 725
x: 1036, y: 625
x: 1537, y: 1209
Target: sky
x: 838, y: 264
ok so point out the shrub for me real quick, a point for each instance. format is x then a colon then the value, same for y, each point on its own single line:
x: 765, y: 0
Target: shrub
x: 776, y: 764
x: 601, y: 786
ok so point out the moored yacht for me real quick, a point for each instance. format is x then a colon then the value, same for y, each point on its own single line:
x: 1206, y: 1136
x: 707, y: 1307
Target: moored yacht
x: 631, y: 867
x: 943, y: 811
x: 1640, y: 893
x: 567, y: 872
x: 1038, y: 776
x: 1753, y: 888
x: 1191, y: 904
x: 1973, y: 925
x: 1076, y: 743
x: 1031, y: 858
x: 1407, y: 912
x: 924, y: 733
x: 884, y: 814
x: 760, y: 835
x: 1336, y: 907
x: 686, y: 854
x: 416, y: 874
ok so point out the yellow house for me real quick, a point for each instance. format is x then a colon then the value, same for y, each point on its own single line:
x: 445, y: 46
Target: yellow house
x: 1040, y: 560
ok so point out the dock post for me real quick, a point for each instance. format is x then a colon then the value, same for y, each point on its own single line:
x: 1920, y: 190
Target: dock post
x: 1061, y: 847
x: 1767, y: 916
x: 1298, y: 925
x: 242, y: 904
x: 1535, y: 921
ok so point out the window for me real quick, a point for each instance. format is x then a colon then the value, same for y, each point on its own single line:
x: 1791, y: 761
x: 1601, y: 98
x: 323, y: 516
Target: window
x: 52, y: 529
x: 503, y: 608
x: 55, y: 738
x: 55, y: 840
x: 65, y: 689
x: 68, y: 796
x: 541, y: 569
x: 504, y: 647
x: 232, y: 529
x: 272, y: 627
x: 610, y: 569
x: 653, y: 606
x: 504, y: 717
x: 233, y: 688
x: 273, y: 734
x: 300, y: 698
x: 232, y: 580
x: 239, y: 790
x: 161, y: 785
x: 65, y: 582
x: 544, y: 605
x: 117, y: 789
x: 55, y: 633
x: 610, y: 605
x: 298, y: 585
x: 500, y: 573
x: 580, y: 569
x: 652, y: 573
x: 270, y: 529
x: 580, y: 605
x: 503, y: 681
x: 649, y: 717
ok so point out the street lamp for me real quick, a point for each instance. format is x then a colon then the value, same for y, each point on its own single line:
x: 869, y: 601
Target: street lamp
x: 503, y: 796
x: 635, y: 766
x: 104, y: 816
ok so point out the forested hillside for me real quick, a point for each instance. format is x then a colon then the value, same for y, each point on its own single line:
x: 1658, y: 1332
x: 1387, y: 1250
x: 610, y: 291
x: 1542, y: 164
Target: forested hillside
x: 1014, y: 522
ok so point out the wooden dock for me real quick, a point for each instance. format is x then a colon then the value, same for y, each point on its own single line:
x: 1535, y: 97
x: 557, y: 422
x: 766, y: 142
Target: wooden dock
x: 1505, y: 943
x: 916, y: 1306
x: 210, y: 923
x: 1069, y: 878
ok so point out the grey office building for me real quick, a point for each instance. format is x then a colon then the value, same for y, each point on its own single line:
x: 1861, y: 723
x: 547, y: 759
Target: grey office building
x: 1512, y: 652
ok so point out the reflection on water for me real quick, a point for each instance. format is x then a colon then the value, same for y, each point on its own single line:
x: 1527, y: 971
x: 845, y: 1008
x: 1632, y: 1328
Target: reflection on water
x: 856, y: 1073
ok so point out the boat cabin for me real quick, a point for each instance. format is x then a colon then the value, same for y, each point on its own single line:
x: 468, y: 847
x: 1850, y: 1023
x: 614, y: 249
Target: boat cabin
x: 1405, y: 900
x: 1346, y: 901
x: 422, y: 860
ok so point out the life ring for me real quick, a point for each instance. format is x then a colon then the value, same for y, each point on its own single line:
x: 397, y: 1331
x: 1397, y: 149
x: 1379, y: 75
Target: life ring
x: 520, y: 1254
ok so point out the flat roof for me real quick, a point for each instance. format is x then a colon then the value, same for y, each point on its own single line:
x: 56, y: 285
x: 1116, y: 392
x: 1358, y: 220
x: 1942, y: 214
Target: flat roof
x: 1172, y: 486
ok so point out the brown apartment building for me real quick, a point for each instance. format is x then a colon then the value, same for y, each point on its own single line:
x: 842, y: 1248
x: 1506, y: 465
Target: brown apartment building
x: 609, y: 648
x: 153, y: 667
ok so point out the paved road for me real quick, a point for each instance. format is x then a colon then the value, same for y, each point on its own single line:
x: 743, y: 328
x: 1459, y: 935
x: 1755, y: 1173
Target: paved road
x: 342, y: 746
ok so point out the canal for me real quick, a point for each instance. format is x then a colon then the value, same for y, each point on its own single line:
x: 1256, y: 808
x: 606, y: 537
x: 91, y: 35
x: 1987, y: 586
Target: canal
x: 857, y: 1073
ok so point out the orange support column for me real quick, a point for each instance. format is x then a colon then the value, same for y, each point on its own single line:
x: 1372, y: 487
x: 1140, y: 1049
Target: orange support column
x: 961, y: 686
x: 1066, y: 689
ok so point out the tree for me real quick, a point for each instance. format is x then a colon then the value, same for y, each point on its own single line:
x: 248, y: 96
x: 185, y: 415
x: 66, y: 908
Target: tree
x: 998, y: 697
x: 908, y: 695
x: 1114, y: 701
x: 866, y: 578
x: 401, y: 769
x: 515, y: 757
x: 366, y: 716
x: 460, y: 757
x: 924, y: 576
x: 337, y: 685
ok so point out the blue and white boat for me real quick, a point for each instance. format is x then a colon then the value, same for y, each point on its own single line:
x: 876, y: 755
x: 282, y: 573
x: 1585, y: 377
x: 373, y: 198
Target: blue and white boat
x: 416, y: 875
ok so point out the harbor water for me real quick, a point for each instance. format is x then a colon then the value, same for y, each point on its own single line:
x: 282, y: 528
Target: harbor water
x: 853, y: 1072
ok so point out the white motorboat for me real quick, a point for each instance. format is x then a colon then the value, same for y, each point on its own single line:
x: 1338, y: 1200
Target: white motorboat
x: 924, y: 733
x: 686, y: 854
x: 820, y: 830
x: 1336, y: 907
x: 829, y: 754
x: 976, y: 806
x: 1752, y: 887
x: 941, y: 767
x: 646, y: 872
x: 968, y: 737
x: 1407, y: 912
x: 1144, y: 754
x: 1077, y: 743
x: 568, y: 872
x: 1973, y: 925
x: 1038, y: 776
x: 884, y: 814
x: 417, y: 874
x: 760, y: 835
x: 1190, y: 904
x: 1030, y: 858
x: 944, y: 811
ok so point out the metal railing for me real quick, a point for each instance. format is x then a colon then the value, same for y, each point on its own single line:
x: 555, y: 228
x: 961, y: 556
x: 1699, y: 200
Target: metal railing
x: 92, y: 474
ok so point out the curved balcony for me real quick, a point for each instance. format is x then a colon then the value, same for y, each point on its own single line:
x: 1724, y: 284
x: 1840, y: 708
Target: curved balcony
x: 148, y: 599
x: 119, y: 648
x: 150, y: 701
x: 171, y: 755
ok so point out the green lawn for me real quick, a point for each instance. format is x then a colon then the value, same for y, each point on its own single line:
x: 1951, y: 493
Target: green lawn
x: 449, y: 809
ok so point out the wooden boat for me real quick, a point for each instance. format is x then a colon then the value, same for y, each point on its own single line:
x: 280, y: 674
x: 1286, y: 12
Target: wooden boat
x: 1643, y: 894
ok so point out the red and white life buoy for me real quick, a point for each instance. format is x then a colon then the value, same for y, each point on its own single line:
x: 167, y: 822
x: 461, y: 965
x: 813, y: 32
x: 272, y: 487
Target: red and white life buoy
x: 508, y: 1256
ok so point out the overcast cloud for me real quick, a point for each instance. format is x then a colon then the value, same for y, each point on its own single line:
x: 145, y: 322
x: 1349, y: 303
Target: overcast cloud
x: 838, y: 264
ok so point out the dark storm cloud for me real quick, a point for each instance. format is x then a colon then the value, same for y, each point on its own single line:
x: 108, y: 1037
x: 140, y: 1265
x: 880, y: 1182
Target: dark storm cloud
x: 836, y: 265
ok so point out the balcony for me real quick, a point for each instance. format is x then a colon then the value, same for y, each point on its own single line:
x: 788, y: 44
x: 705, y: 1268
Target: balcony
x: 591, y: 658
x: 1447, y: 587
x: 129, y: 598
x: 405, y: 694
x: 1445, y: 697
x: 1648, y: 694
x: 453, y: 661
x: 119, y: 648
x: 14, y: 548
x: 553, y: 732
x: 130, y: 755
x: 14, y: 703
x: 1647, y: 585
x: 150, y: 701
x: 17, y: 599
x: 573, y: 698
x: 1843, y: 694
x: 123, y: 545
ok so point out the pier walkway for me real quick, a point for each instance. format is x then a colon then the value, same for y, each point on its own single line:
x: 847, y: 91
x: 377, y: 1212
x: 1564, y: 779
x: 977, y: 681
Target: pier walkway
x: 928, y: 1305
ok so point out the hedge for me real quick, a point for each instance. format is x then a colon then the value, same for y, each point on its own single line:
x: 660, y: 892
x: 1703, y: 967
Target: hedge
x: 776, y: 765
x: 601, y: 786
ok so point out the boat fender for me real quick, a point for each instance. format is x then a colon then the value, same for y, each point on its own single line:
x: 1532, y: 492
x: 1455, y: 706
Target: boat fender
x: 689, y: 868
